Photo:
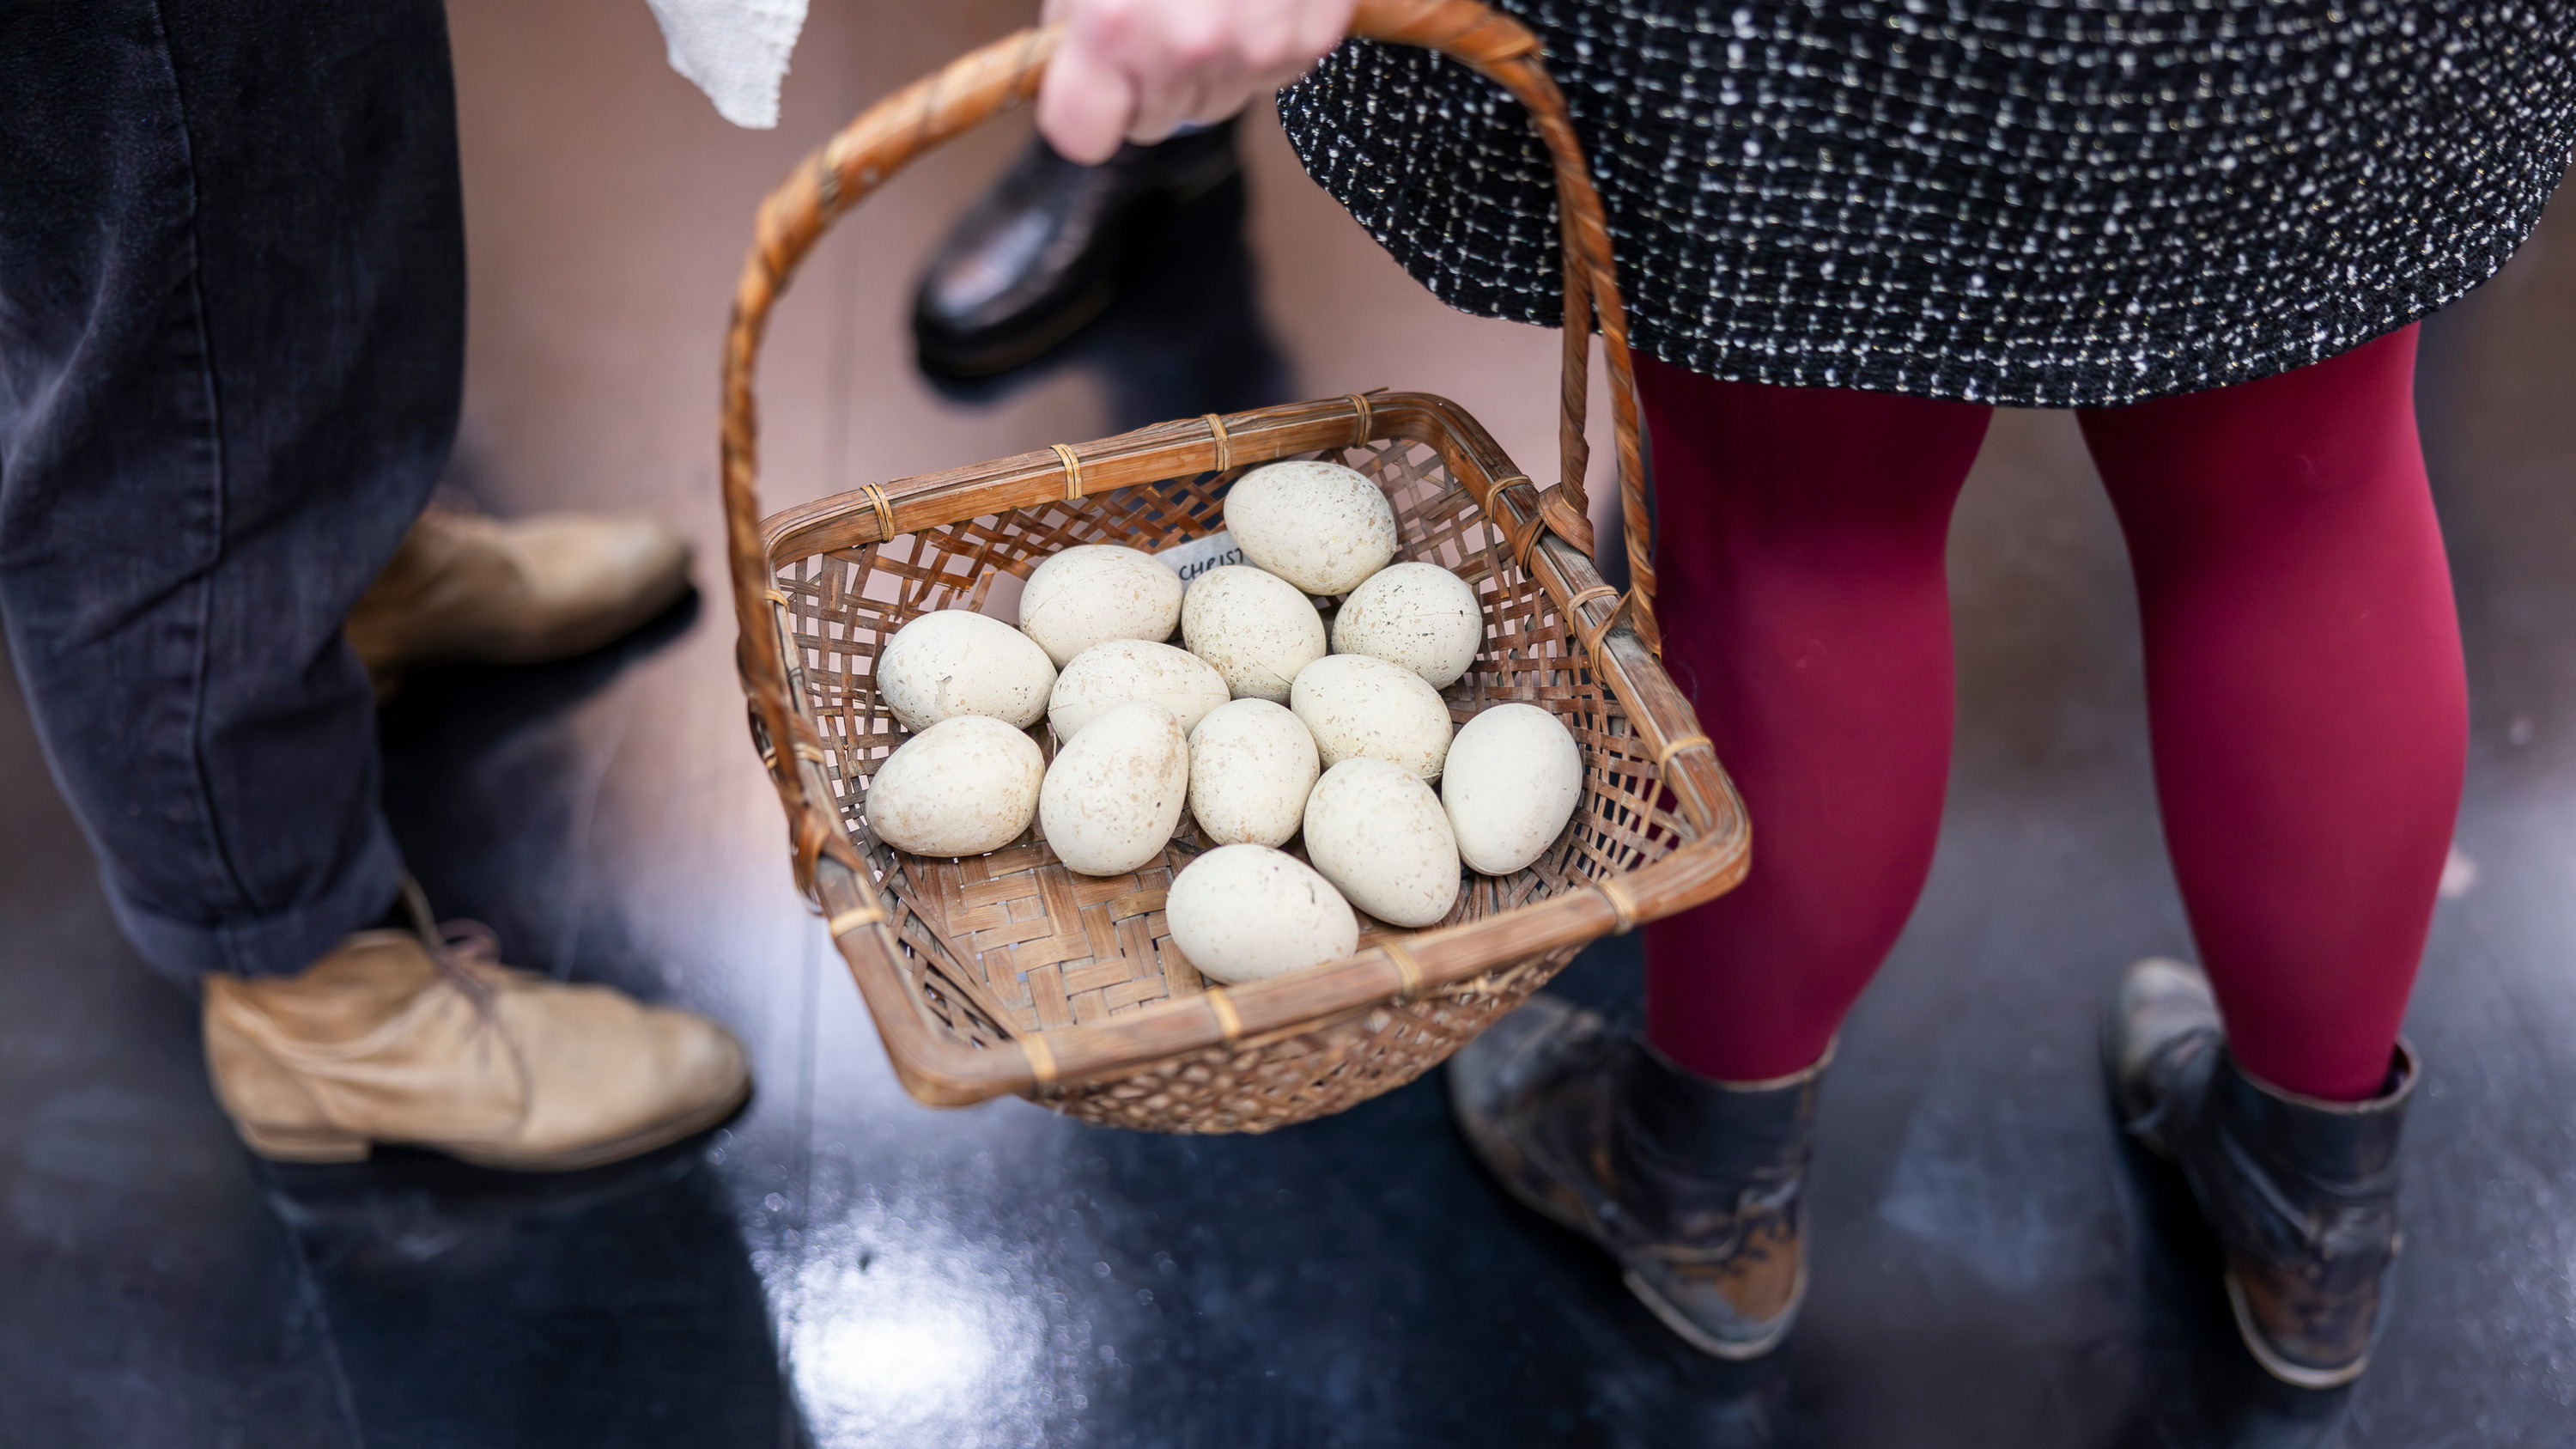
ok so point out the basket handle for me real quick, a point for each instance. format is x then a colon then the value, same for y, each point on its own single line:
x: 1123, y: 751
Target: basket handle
x: 1001, y: 76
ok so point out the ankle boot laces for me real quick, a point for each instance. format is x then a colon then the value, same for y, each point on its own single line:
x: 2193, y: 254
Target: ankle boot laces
x: 467, y: 951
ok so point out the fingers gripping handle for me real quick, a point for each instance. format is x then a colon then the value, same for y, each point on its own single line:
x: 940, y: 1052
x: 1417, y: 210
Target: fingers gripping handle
x: 1005, y: 75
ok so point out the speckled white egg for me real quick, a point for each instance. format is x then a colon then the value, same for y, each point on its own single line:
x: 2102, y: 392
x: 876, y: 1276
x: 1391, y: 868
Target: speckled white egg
x: 1320, y: 526
x: 1113, y: 796
x: 1251, y: 764
x: 1359, y: 707
x: 1418, y: 615
x: 954, y: 661
x: 1256, y: 629
x: 965, y: 785
x: 1243, y: 912
x: 1514, y: 777
x: 1092, y: 592
x: 1113, y: 673
x: 1378, y: 834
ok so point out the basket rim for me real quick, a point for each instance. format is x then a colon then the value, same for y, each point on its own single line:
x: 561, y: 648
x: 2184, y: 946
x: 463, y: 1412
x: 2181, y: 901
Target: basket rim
x: 940, y: 1071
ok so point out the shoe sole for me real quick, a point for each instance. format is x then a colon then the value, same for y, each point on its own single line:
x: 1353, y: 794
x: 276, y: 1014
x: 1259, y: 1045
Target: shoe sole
x: 316, y: 1148
x: 985, y: 363
x: 2278, y: 1367
x: 1699, y: 1338
x: 302, y: 1147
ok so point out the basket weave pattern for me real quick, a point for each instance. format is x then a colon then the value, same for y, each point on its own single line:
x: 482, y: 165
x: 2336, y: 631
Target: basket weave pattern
x: 1003, y: 945
x: 1008, y: 973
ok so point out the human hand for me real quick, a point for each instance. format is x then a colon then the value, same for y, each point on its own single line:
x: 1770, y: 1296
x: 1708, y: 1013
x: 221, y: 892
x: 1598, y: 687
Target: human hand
x: 1136, y: 70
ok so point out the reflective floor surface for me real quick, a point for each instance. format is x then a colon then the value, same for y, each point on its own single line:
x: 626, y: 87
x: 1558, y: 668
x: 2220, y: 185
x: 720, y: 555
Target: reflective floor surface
x: 841, y: 1267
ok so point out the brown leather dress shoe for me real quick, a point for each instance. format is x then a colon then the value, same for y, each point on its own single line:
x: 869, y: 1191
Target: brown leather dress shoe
x: 389, y: 1040
x: 1697, y: 1187
x: 469, y: 589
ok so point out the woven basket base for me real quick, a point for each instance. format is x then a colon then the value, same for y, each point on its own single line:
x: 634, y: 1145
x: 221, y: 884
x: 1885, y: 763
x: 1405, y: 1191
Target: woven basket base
x: 1261, y: 1084
x: 1000, y: 945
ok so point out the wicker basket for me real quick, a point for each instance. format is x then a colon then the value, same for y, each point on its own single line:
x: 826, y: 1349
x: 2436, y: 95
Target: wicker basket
x: 1007, y: 973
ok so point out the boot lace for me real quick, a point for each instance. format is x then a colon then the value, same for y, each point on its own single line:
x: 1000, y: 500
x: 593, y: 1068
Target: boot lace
x: 468, y: 953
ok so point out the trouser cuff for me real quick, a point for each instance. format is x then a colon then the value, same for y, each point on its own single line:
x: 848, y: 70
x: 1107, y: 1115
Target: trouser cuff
x: 282, y: 944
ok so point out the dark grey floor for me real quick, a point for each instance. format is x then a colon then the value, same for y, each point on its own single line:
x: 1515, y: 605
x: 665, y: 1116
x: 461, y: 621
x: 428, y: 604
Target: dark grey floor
x: 842, y: 1267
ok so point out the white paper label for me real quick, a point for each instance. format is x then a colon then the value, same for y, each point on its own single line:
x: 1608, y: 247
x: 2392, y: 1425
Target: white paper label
x: 1197, y: 556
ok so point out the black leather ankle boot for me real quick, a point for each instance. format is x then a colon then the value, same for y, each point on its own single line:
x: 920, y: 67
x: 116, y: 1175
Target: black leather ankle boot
x: 1697, y: 1187
x: 1040, y: 255
x: 2301, y: 1192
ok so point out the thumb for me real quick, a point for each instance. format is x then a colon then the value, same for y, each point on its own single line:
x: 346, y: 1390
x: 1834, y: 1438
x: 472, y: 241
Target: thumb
x: 1085, y: 105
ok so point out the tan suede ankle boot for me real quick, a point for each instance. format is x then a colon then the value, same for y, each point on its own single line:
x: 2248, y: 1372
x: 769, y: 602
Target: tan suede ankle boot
x: 465, y: 588
x: 384, y: 1041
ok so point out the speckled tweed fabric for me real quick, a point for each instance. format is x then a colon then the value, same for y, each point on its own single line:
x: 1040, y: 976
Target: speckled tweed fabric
x: 2052, y: 205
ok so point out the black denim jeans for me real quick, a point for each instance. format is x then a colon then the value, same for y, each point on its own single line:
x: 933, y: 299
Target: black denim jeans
x: 232, y: 293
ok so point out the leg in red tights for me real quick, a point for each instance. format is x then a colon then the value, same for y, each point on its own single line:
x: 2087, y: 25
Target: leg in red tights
x: 2305, y: 692
x: 1800, y: 546
x: 2304, y: 677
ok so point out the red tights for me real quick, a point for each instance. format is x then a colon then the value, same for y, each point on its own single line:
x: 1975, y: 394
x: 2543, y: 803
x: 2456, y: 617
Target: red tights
x: 2304, y: 689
